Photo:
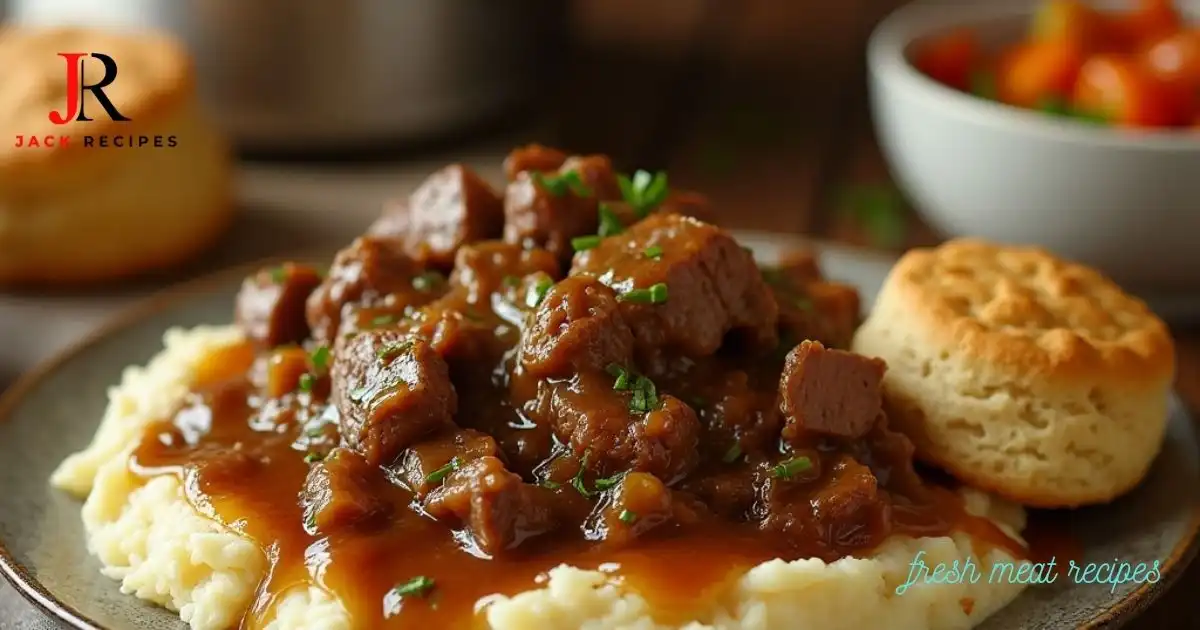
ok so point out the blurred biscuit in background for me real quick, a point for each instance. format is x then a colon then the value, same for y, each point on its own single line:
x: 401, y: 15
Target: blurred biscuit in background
x: 1020, y: 373
x: 118, y: 197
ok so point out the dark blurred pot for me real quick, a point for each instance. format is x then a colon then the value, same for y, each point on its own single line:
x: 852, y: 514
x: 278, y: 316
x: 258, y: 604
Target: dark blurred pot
x: 329, y: 74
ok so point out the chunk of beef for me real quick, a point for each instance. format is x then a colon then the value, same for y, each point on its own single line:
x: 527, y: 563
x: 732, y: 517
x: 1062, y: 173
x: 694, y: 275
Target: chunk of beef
x: 493, y: 505
x: 390, y: 390
x: 845, y: 513
x: 809, y: 306
x: 342, y: 491
x: 593, y: 418
x: 739, y: 415
x: 532, y: 157
x: 483, y: 269
x: 372, y: 271
x: 427, y: 463
x: 270, y: 304
x: 538, y: 214
x: 578, y: 326
x: 729, y: 492
x: 639, y: 503
x: 453, y: 207
x: 709, y: 285
x: 460, y: 334
x: 830, y: 392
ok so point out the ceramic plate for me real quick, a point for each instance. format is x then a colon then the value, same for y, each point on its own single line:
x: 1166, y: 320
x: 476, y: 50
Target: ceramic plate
x: 55, y: 410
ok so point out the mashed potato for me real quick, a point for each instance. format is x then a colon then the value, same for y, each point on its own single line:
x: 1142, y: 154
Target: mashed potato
x: 161, y: 549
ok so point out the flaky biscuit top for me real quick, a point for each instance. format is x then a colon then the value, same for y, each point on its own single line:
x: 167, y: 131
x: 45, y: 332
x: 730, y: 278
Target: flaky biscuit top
x: 1026, y: 312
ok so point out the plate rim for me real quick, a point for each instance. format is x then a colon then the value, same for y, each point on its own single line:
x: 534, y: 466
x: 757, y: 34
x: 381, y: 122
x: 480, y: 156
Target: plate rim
x: 34, y: 592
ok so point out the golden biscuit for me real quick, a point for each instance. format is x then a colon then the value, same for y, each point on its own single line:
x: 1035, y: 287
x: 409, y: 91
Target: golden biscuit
x: 148, y: 192
x: 1021, y: 373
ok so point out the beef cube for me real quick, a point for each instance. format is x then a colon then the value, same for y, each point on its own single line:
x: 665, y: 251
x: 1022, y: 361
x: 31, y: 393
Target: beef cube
x: 740, y: 414
x: 342, y: 491
x: 493, y: 505
x: 390, y: 390
x: 483, y: 269
x: 426, y: 464
x: 594, y: 419
x: 460, y: 335
x: 730, y: 493
x: 639, y: 503
x: 538, y: 214
x: 372, y: 271
x: 532, y: 157
x: 578, y: 326
x: 270, y: 304
x: 597, y: 174
x: 850, y: 509
x: 830, y: 392
x: 453, y: 207
x: 707, y: 285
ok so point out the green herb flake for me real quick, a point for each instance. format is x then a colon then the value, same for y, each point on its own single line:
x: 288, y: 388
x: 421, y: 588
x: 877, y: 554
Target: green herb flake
x: 656, y: 294
x: 733, y: 454
x: 278, y: 275
x: 621, y: 382
x: 653, y: 252
x: 627, y: 517
x: 610, y: 223
x: 427, y: 281
x: 391, y: 351
x: 418, y: 587
x: 645, y: 395
x: 791, y: 467
x: 537, y: 292
x: 609, y: 482
x: 312, y: 458
x: 558, y: 185
x: 550, y: 485
x: 320, y: 358
x: 575, y: 184
x: 383, y: 320
x: 306, y: 382
x: 511, y: 281
x: 438, y: 475
x: 577, y: 481
x: 584, y: 243
x: 644, y: 191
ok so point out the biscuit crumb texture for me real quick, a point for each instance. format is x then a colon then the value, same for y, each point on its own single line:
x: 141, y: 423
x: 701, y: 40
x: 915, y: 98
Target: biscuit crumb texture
x: 71, y: 213
x: 1022, y: 374
x: 150, y: 538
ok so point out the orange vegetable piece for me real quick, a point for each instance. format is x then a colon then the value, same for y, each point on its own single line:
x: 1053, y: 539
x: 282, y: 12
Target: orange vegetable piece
x: 950, y: 58
x: 1176, y: 59
x: 1076, y: 22
x: 1031, y: 72
x: 1121, y: 91
x: 1149, y: 21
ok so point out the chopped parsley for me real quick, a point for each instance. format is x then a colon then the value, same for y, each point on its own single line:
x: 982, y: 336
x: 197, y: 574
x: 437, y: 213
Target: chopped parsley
x: 312, y: 458
x: 622, y: 377
x: 584, y: 243
x: 427, y: 281
x: 306, y: 382
x: 391, y: 351
x: 577, y: 481
x: 656, y: 294
x: 627, y: 516
x: 537, y: 292
x: 644, y: 191
x: 418, y: 586
x: 609, y: 482
x: 610, y: 224
x: 558, y: 185
x: 645, y: 395
x: 653, y: 252
x: 440, y: 474
x: 791, y: 467
x: 320, y: 358
x: 733, y: 454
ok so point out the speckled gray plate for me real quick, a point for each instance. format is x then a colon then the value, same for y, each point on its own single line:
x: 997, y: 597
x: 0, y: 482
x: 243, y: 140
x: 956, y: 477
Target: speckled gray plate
x: 54, y: 412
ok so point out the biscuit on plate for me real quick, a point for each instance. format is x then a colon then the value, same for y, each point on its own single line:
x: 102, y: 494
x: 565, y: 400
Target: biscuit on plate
x: 75, y: 213
x: 1021, y: 373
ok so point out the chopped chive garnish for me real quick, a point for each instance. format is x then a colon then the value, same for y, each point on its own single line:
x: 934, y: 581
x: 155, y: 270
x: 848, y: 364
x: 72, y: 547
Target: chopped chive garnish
x: 656, y: 294
x: 622, y: 382
x: 278, y: 275
x: 627, y: 517
x: 383, y: 320
x: 537, y: 292
x: 791, y: 467
x: 644, y: 192
x: 654, y: 252
x: 645, y: 395
x: 320, y: 358
x: 425, y: 282
x: 440, y: 474
x: 610, y: 224
x: 575, y: 183
x: 558, y: 185
x: 584, y: 243
x: 733, y: 454
x: 609, y: 482
x: 418, y: 586
x: 312, y: 458
x: 306, y: 382
x: 511, y: 281
x: 550, y: 485
x: 577, y: 481
x: 389, y: 352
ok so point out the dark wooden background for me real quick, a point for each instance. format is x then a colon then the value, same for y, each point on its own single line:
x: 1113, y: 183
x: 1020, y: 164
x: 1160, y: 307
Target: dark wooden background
x: 762, y: 105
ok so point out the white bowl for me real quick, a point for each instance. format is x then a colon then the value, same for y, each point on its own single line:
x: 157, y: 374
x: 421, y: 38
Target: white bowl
x: 1124, y: 201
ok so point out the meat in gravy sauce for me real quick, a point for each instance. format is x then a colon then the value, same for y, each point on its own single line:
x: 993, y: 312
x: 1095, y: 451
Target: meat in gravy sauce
x: 572, y: 370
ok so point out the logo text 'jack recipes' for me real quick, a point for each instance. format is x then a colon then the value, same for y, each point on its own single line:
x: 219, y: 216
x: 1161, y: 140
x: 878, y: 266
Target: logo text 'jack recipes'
x: 75, y: 110
x: 967, y: 571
